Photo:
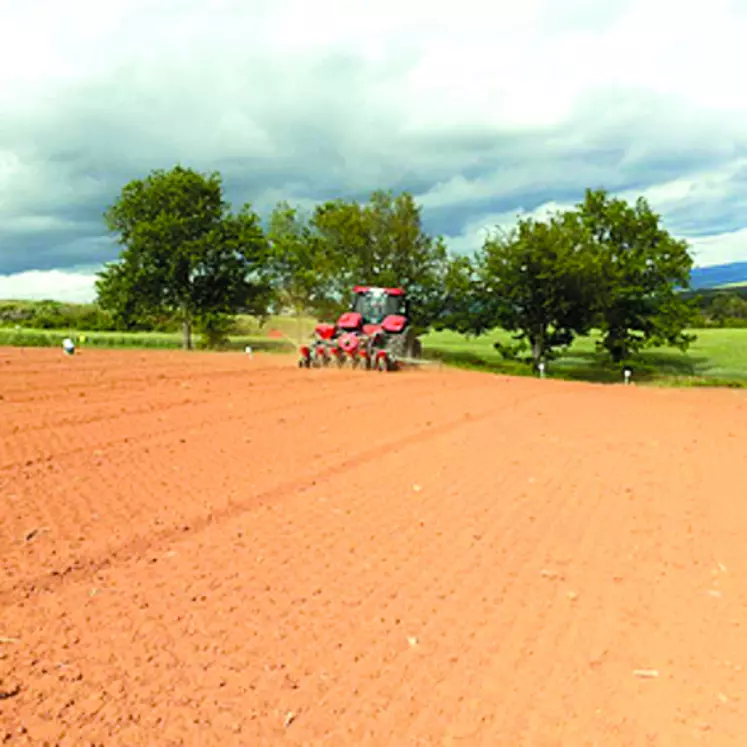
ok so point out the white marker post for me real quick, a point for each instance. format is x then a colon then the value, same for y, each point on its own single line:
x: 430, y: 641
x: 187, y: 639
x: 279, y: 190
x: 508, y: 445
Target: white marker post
x: 627, y: 373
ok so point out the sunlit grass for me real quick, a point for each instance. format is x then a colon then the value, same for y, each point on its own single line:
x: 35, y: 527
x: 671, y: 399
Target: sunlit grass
x: 719, y: 356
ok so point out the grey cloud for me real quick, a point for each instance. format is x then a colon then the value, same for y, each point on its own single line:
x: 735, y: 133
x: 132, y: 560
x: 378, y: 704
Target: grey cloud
x: 54, y: 250
x: 649, y: 144
x: 698, y: 220
x: 323, y: 131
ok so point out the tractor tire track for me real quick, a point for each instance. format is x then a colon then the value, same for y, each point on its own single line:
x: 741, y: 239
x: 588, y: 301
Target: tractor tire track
x: 27, y: 441
x: 141, y: 544
x: 97, y: 537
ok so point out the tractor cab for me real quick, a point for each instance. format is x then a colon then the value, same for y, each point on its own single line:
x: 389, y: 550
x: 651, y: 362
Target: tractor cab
x: 376, y: 304
x: 375, y: 308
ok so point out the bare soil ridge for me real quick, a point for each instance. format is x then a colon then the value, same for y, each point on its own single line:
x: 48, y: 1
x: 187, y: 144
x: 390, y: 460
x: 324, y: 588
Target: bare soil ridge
x: 207, y: 549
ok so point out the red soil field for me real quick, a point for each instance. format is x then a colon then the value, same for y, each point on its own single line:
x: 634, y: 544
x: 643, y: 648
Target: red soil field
x: 217, y: 550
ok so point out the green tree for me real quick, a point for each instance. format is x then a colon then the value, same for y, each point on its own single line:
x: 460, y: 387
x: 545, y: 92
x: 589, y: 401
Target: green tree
x: 215, y: 329
x: 121, y: 291
x: 183, y: 251
x: 300, y: 268
x: 539, y: 281
x: 643, y: 269
x: 463, y: 308
x: 383, y: 242
x: 343, y: 228
x: 728, y: 309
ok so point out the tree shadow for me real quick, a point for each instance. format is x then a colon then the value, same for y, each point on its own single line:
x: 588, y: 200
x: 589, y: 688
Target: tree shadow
x: 474, y: 361
x: 588, y: 366
x: 652, y: 364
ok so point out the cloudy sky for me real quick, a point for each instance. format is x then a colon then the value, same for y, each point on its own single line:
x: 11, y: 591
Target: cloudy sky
x: 483, y: 110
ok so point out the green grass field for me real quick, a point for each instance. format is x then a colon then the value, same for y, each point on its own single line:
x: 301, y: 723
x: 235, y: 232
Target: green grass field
x: 717, y: 358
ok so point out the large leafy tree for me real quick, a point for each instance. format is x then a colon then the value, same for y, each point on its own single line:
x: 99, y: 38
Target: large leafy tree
x: 539, y: 281
x: 465, y: 308
x: 183, y: 251
x: 728, y: 308
x: 299, y: 265
x: 383, y: 242
x: 644, y: 268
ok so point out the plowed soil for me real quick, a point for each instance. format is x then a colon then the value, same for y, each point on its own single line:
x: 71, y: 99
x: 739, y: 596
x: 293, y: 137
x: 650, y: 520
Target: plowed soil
x: 207, y: 549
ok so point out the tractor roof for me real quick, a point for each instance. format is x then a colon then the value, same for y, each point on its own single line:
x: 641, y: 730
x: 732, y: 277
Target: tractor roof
x: 389, y: 291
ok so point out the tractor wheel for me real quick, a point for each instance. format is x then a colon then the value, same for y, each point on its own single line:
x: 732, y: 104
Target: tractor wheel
x: 405, y: 345
x: 397, y: 346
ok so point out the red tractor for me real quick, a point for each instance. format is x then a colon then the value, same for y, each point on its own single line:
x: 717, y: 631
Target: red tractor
x: 375, y: 332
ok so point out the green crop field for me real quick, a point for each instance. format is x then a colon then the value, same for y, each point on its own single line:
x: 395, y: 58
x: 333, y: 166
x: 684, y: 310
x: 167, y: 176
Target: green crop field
x: 147, y: 340
x: 717, y: 358
x: 249, y: 331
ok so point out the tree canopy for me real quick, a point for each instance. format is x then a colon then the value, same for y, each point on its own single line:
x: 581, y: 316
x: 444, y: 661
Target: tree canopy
x: 541, y: 282
x: 383, y: 242
x: 643, y: 267
x: 301, y: 267
x: 606, y: 264
x: 183, y: 250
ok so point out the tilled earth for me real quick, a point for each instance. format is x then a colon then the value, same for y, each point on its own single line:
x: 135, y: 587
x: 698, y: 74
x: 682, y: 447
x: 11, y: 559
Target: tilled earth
x: 205, y: 549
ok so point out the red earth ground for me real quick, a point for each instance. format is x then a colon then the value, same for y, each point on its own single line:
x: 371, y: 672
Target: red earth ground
x: 208, y: 549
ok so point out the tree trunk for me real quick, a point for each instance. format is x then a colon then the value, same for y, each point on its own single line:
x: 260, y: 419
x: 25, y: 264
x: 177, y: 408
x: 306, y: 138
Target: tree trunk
x: 616, y: 344
x: 187, y: 333
x: 536, y: 354
x: 538, y: 347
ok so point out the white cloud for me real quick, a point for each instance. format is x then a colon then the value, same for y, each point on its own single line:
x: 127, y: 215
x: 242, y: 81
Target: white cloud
x: 705, y: 186
x: 487, y: 109
x: 678, y: 197
x: 720, y: 249
x: 54, y: 285
x: 477, y: 230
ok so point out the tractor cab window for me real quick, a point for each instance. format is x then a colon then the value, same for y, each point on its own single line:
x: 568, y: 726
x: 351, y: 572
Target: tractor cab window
x: 374, y: 308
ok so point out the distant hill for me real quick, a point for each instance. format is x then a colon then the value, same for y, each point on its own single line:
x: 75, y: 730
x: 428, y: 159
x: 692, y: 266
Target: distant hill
x: 734, y: 273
